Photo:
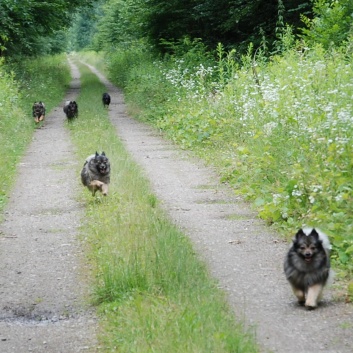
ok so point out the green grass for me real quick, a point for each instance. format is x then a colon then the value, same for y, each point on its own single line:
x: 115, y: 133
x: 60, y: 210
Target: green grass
x: 153, y: 292
x: 21, y: 84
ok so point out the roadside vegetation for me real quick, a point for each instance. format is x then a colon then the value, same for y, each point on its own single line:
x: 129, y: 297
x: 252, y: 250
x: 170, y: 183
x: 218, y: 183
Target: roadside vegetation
x: 21, y: 84
x: 279, y: 131
x: 273, y: 114
x: 152, y: 291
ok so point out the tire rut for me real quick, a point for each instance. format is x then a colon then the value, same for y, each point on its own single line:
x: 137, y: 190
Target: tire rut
x: 43, y: 284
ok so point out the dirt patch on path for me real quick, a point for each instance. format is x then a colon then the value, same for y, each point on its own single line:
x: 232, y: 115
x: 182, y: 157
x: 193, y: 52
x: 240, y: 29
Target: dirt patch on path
x: 43, y: 291
x: 239, y: 249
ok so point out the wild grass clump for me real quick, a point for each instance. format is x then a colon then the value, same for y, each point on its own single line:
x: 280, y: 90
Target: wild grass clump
x: 279, y: 131
x: 153, y: 292
x: 21, y: 84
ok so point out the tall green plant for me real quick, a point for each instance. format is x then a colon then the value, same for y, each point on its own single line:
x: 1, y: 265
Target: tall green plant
x: 332, y: 23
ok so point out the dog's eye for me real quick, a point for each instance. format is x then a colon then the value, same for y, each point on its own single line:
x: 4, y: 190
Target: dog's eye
x: 302, y: 247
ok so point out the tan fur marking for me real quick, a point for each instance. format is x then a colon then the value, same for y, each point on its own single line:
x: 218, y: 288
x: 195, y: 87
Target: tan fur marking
x: 299, y: 294
x: 314, y: 293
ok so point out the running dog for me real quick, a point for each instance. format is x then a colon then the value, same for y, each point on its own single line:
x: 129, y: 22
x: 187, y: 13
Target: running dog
x: 106, y: 100
x: 71, y: 109
x: 38, y: 111
x: 307, y: 266
x: 95, y: 174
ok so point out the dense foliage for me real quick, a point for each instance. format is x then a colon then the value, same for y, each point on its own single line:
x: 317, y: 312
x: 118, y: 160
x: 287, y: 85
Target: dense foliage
x: 235, y: 23
x: 27, y: 26
x: 280, y: 132
x: 35, y: 27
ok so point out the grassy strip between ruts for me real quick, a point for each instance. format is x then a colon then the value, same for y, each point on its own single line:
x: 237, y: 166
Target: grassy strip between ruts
x: 153, y: 292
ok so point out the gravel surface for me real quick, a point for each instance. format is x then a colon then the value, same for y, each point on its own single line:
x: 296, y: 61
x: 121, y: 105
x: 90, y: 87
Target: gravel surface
x: 44, y: 285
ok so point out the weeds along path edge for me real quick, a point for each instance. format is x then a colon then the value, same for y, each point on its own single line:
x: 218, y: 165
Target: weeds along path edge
x: 240, y: 250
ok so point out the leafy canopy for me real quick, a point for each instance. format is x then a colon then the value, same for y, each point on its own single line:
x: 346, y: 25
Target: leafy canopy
x: 23, y: 23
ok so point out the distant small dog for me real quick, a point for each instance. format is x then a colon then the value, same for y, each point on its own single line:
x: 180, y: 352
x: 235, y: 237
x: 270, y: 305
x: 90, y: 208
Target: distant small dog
x: 106, y: 100
x: 95, y: 173
x: 71, y: 109
x: 38, y: 111
x: 307, y: 265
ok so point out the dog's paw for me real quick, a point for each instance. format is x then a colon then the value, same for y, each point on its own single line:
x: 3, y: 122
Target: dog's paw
x: 310, y: 305
x: 300, y: 295
x: 104, y: 189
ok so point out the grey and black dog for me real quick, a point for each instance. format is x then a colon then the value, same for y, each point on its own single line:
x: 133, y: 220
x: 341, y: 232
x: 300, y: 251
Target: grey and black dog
x: 38, y: 111
x: 106, y: 100
x: 307, y: 265
x: 95, y: 173
x: 71, y: 109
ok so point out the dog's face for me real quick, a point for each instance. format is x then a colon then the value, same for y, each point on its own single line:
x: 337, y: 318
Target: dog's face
x: 72, y: 107
x: 38, y: 109
x: 307, y: 246
x: 101, y: 163
x: 106, y: 98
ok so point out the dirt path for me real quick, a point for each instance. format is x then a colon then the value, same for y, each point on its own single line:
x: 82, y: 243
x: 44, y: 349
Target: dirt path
x: 43, y: 306
x: 239, y: 249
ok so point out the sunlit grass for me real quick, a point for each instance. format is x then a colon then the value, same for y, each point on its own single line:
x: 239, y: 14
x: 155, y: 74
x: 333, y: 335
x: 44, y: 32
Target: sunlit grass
x: 153, y: 292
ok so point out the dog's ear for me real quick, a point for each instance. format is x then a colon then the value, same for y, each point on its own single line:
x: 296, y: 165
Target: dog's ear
x: 97, y: 154
x: 314, y: 234
x: 103, y: 153
x: 300, y: 233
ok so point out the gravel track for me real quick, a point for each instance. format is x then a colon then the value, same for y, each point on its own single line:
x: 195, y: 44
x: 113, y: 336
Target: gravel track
x: 43, y: 283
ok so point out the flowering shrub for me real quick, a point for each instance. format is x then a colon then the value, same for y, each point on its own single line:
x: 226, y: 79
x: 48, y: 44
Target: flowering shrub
x: 282, y: 132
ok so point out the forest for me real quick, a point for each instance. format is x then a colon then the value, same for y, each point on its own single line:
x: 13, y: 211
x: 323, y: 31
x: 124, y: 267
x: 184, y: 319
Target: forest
x: 45, y: 27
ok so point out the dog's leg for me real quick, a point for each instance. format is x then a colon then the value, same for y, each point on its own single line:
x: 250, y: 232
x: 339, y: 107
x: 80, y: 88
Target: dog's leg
x: 299, y: 294
x: 104, y: 189
x: 95, y: 185
x: 314, y: 293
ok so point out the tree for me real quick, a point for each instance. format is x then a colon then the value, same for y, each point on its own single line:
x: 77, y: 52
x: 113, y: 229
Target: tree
x: 234, y: 23
x: 332, y: 23
x: 24, y: 23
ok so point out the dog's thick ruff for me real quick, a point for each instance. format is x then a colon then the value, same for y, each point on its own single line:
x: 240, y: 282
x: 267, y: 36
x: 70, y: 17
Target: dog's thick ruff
x: 307, y: 265
x: 95, y: 174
